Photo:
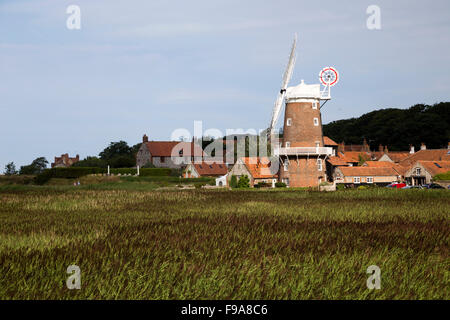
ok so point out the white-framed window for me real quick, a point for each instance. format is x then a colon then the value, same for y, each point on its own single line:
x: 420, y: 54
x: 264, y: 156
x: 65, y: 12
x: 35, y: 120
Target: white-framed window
x: 314, y: 105
x: 369, y: 179
x: 288, y: 122
x: 317, y: 144
x: 285, y: 181
x: 288, y: 144
x: 316, y: 121
x: 418, y: 171
x: 356, y: 180
x: 319, y: 164
x: 286, y: 165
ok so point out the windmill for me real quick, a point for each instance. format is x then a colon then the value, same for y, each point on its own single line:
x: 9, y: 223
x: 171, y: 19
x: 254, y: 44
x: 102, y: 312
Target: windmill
x: 281, y: 95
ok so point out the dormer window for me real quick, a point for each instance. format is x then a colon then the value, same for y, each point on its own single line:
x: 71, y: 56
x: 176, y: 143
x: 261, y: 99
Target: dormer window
x: 418, y: 171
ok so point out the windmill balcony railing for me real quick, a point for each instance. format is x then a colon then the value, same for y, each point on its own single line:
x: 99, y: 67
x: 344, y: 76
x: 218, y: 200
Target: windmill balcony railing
x: 303, y: 151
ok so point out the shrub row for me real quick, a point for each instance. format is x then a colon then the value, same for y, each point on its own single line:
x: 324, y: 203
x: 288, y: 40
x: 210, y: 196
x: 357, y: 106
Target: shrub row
x: 77, y: 172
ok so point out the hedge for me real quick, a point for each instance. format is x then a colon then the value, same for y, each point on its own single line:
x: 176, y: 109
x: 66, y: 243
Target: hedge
x: 77, y: 172
x: 442, y: 176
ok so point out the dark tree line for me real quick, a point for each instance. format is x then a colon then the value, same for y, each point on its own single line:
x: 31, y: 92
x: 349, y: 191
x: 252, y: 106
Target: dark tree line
x: 396, y: 128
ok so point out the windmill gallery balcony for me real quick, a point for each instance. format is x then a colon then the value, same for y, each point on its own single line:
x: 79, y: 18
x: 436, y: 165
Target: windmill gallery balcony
x: 304, y: 151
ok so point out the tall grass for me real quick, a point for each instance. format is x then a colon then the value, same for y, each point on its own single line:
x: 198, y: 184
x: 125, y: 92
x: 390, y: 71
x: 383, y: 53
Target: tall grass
x: 216, y: 244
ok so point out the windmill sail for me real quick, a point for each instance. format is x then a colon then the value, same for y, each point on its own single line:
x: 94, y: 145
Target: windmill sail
x: 286, y: 77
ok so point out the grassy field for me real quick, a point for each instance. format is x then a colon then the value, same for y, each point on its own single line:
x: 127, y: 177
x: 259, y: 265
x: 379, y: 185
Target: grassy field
x: 134, y: 242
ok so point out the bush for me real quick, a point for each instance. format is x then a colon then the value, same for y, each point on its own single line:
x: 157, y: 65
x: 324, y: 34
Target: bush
x: 233, y: 181
x: 244, y: 182
x: 280, y: 185
x: 199, y: 185
x: 263, y: 185
x: 340, y: 186
x: 442, y: 176
x: 362, y: 188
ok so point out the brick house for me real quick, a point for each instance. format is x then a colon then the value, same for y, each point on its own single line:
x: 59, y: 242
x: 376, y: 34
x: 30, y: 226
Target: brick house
x: 205, y: 169
x: 366, y: 175
x: 65, y: 161
x: 168, y: 154
x: 422, y: 172
x: 257, y: 169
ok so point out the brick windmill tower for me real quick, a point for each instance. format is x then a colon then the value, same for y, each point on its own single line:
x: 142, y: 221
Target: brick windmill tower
x: 301, y: 152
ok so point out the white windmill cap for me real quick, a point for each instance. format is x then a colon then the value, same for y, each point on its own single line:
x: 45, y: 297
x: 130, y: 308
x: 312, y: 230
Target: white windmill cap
x: 303, y: 90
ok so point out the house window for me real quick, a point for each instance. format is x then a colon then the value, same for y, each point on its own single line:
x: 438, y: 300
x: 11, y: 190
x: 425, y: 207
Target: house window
x: 288, y: 122
x: 286, y: 166
x: 316, y: 121
x: 418, y: 171
x: 180, y: 153
x: 288, y: 144
x: 314, y: 105
x: 356, y: 179
x: 369, y: 179
x: 285, y: 181
x: 162, y: 159
x: 319, y: 164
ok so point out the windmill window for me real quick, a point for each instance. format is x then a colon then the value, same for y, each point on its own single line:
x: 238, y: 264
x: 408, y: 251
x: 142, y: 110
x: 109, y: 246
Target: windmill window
x: 288, y: 122
x: 288, y: 144
x: 319, y: 164
x: 316, y: 122
x: 286, y: 166
x: 314, y: 105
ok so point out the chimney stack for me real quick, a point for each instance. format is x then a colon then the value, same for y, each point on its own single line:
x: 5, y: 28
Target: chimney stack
x: 386, y: 149
x: 423, y: 146
x: 145, y: 138
x: 380, y: 148
x: 411, y: 149
x: 77, y: 157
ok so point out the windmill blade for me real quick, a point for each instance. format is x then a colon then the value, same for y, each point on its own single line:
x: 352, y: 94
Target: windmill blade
x: 277, y: 108
x: 286, y: 78
x: 290, y: 66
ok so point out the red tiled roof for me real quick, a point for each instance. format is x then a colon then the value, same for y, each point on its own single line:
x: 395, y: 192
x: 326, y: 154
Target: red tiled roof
x: 426, y: 155
x: 165, y: 148
x: 379, y: 164
x: 367, y: 171
x: 353, y: 156
x: 336, y: 161
x: 436, y: 167
x: 259, y: 168
x: 398, y: 156
x: 328, y: 142
x: 211, y: 168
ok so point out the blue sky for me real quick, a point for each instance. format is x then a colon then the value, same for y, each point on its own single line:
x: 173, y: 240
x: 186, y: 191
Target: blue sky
x: 153, y: 66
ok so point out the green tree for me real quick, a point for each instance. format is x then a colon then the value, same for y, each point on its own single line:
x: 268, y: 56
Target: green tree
x: 244, y: 182
x: 37, y: 166
x: 233, y: 181
x: 118, y: 155
x: 10, y: 169
x: 91, y: 162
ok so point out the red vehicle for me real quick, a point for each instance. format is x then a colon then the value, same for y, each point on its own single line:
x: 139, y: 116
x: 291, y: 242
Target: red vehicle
x: 396, y: 185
